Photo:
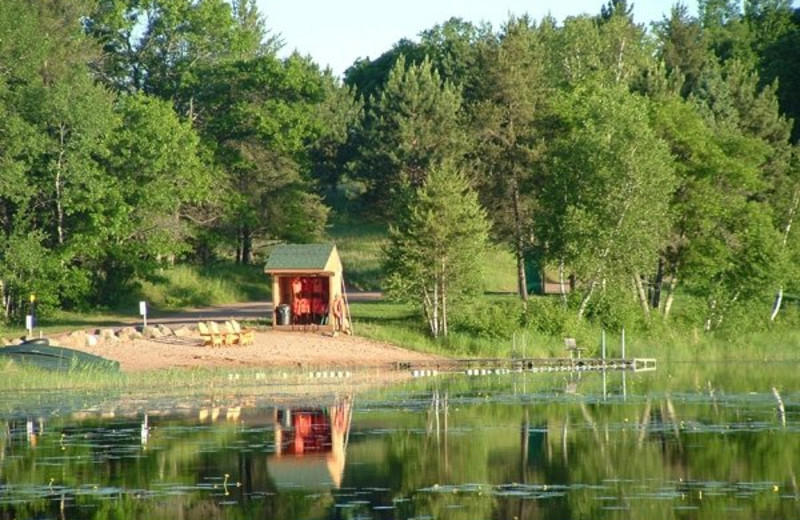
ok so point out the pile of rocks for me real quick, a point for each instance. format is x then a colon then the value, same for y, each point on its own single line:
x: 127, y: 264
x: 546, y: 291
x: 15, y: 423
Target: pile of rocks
x: 110, y: 336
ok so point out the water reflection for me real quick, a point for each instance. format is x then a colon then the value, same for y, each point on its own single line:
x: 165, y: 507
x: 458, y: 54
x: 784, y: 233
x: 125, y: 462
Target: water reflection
x: 585, y: 445
x: 310, y: 446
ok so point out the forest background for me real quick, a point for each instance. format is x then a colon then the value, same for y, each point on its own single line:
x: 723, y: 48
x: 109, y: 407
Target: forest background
x: 652, y: 171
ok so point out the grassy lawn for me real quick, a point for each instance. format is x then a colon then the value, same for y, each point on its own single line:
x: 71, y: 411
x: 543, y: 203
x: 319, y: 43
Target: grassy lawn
x: 187, y: 286
x: 360, y: 247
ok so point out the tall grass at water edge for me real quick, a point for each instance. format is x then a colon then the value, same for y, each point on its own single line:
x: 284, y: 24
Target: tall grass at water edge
x: 496, y: 329
x: 226, y: 382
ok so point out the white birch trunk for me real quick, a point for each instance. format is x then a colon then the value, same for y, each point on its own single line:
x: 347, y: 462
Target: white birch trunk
x: 4, y: 298
x: 519, y: 245
x: 776, y: 306
x: 586, y: 298
x: 428, y: 308
x: 435, y: 329
x: 58, y: 186
x: 444, y: 311
x: 637, y: 281
x: 670, y: 296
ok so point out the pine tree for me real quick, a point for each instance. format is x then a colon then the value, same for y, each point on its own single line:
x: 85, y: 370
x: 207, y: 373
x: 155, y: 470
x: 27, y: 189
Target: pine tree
x: 413, y: 128
x: 434, y: 254
x: 508, y: 136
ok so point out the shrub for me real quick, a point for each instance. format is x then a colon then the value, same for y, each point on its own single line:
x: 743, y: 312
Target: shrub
x: 550, y: 317
x: 488, y: 318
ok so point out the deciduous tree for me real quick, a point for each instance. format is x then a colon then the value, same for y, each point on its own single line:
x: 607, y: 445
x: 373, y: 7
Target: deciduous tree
x: 603, y: 208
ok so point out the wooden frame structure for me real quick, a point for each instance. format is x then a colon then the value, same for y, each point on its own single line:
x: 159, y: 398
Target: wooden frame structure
x: 307, y: 287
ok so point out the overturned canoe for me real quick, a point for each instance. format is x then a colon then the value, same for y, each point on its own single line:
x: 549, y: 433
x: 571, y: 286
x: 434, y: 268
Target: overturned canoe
x: 41, y: 354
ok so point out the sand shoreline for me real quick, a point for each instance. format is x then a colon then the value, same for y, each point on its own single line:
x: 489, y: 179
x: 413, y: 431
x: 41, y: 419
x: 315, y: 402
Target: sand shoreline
x: 297, y: 350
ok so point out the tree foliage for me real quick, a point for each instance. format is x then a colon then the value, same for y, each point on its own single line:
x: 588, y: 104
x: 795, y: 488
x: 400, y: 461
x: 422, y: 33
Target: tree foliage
x: 412, y: 128
x: 603, y: 210
x: 507, y: 122
x: 433, y: 258
x: 640, y: 165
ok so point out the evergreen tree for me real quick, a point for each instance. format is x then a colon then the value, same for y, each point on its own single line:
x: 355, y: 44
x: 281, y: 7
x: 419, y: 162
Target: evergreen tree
x: 775, y: 30
x: 412, y: 128
x: 683, y: 48
x: 434, y: 253
x: 509, y: 141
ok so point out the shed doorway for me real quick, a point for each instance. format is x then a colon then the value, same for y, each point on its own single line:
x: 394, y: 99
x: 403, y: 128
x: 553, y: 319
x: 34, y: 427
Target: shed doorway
x: 308, y: 298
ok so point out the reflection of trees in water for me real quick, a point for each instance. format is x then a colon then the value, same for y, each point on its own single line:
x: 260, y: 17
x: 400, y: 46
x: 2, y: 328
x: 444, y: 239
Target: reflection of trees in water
x: 655, y: 446
x: 580, y: 448
x: 593, y: 447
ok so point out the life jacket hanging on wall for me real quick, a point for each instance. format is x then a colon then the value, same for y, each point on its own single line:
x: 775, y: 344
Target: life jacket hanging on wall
x: 319, y: 302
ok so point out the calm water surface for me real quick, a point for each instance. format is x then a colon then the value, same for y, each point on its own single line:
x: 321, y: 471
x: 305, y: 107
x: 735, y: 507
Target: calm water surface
x: 684, y: 442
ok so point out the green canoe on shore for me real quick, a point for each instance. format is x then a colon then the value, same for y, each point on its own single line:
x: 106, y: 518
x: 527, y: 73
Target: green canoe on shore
x: 39, y: 353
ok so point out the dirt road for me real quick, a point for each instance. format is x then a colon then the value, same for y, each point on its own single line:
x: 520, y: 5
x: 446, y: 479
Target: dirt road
x: 249, y: 311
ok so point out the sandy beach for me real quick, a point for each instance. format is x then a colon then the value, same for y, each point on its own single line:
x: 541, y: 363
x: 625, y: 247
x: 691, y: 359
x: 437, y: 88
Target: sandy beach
x: 302, y: 350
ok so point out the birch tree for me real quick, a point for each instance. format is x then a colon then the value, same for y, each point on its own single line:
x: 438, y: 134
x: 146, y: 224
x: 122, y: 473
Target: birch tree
x: 604, y: 205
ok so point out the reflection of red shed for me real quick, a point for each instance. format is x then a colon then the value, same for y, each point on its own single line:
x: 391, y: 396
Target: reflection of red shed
x: 311, y: 446
x: 306, y: 283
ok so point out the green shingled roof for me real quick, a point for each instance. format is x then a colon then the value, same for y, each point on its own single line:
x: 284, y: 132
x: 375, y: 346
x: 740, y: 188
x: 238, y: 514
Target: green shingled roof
x: 299, y: 256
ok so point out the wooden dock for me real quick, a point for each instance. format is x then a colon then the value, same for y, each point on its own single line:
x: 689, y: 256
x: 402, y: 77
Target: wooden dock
x: 485, y: 366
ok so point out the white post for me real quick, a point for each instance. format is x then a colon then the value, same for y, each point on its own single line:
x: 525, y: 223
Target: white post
x: 29, y: 324
x: 143, y: 312
x: 623, y: 342
x: 603, y: 343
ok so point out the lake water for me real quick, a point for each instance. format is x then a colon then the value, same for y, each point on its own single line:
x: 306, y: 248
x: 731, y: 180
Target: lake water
x: 683, y: 442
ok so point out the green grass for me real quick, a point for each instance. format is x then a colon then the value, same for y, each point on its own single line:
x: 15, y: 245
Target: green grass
x: 493, y: 330
x: 186, y: 286
x: 197, y: 381
x: 500, y: 271
x: 402, y: 325
x: 360, y: 249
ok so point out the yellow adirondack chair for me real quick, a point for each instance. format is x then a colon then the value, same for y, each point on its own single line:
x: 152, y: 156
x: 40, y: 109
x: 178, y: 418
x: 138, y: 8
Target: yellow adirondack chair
x: 234, y: 337
x: 228, y: 339
x: 209, y: 337
x: 247, y: 336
